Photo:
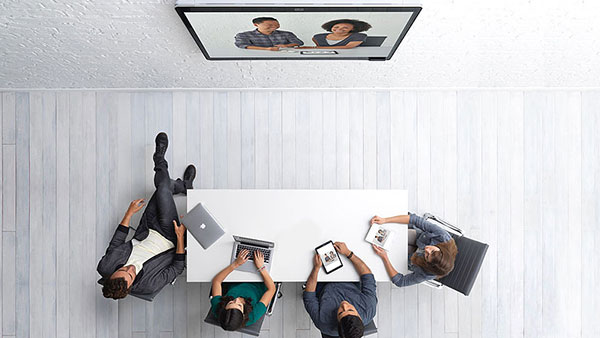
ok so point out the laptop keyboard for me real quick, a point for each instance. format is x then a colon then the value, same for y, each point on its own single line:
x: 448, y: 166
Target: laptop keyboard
x: 266, y: 252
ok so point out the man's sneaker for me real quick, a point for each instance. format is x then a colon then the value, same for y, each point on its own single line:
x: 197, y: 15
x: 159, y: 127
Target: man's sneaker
x: 162, y: 142
x: 188, y: 176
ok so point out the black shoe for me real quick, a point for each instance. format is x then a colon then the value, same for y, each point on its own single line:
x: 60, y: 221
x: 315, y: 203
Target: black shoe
x: 162, y: 142
x: 188, y: 176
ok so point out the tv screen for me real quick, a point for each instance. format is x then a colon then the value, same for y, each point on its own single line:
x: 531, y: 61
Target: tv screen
x: 298, y: 33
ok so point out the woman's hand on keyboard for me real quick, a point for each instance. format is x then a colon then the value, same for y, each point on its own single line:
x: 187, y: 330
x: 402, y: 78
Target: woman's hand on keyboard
x: 242, y: 257
x: 259, y: 259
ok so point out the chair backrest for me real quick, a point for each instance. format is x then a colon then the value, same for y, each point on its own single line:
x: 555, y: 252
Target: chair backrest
x: 373, y: 41
x: 369, y: 329
x: 467, y: 264
x: 253, y: 329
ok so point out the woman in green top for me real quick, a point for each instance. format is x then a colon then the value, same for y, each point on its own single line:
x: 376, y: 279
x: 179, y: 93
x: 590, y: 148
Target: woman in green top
x: 239, y: 307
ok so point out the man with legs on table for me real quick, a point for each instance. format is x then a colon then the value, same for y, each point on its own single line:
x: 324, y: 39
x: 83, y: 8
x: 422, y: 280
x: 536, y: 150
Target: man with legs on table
x: 341, y: 308
x: 156, y: 254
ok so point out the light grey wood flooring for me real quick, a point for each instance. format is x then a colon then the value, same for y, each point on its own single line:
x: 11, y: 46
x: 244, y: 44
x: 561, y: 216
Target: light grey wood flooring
x: 516, y: 169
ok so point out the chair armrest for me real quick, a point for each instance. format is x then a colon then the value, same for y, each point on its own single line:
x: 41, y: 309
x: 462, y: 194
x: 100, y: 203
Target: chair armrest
x: 433, y: 284
x: 441, y: 222
x: 274, y: 300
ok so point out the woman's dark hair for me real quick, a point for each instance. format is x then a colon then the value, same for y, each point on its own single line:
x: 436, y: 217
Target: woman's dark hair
x: 232, y: 319
x: 357, y: 25
x: 262, y: 19
x: 115, y: 288
x: 351, y: 326
x: 442, y: 261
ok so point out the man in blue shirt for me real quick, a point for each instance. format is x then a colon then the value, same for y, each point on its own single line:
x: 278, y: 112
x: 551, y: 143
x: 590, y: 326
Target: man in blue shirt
x: 266, y: 36
x: 341, y: 308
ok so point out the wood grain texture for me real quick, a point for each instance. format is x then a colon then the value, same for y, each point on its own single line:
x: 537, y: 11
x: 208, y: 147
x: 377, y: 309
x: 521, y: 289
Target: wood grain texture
x: 515, y: 169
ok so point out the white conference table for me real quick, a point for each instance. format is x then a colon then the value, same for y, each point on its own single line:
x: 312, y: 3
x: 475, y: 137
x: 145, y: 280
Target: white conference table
x: 297, y: 221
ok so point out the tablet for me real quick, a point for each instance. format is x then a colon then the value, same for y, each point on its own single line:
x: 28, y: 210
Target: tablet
x: 329, y: 256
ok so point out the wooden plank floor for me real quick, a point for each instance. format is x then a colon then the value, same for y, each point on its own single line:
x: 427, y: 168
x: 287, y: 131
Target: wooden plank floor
x: 519, y: 170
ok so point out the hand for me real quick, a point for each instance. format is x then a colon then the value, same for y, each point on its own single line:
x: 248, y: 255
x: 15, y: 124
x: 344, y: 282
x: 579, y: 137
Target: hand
x: 179, y: 229
x: 379, y: 251
x: 273, y: 48
x: 378, y: 220
x: 317, y: 262
x: 259, y: 259
x: 242, y: 258
x: 341, y: 248
x: 135, y: 206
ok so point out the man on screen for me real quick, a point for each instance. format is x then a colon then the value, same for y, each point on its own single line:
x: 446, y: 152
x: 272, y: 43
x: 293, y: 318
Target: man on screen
x: 266, y: 36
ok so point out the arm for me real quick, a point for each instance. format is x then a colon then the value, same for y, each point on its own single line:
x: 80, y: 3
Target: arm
x: 259, y: 262
x: 309, y: 297
x: 220, y: 277
x: 359, y: 265
x: 171, y: 272
x: 401, y: 280
x: 386, y: 261
x: 311, y: 282
x: 276, y: 48
x: 123, y: 228
x: 402, y: 219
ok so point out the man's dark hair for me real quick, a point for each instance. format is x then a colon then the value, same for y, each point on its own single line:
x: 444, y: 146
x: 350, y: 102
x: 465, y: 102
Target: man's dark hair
x: 351, y: 326
x: 232, y: 319
x: 115, y: 288
x: 262, y: 19
x: 357, y: 25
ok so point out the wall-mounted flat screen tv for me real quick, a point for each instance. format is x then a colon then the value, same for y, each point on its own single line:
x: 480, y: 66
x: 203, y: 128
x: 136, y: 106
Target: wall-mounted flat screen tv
x: 298, y: 33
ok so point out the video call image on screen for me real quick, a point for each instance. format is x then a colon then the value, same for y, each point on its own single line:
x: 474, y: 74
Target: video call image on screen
x: 329, y: 257
x: 304, y: 34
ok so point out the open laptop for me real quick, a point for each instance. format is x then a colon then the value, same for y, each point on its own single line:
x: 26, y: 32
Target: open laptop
x: 252, y: 245
x: 203, y: 226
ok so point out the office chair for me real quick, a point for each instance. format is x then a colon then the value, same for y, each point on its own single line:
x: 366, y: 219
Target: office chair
x: 369, y: 329
x: 468, y: 260
x: 253, y: 329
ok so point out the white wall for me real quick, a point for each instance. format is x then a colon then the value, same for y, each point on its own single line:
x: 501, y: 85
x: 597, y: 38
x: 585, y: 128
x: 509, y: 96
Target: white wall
x: 143, y: 44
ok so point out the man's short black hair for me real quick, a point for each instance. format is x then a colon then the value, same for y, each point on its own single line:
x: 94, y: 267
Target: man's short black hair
x: 357, y: 25
x: 351, y: 326
x: 262, y: 19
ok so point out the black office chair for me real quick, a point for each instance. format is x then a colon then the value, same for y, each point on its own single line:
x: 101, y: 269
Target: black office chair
x: 468, y: 260
x: 369, y: 329
x: 254, y: 329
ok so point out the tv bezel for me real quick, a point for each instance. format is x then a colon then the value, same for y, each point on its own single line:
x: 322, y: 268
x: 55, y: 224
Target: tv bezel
x: 181, y: 10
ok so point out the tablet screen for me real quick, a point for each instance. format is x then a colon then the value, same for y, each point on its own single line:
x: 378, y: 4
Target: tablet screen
x: 329, y: 257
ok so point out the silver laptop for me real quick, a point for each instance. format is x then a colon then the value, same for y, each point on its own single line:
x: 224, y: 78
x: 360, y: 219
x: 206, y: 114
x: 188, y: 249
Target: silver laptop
x: 241, y: 243
x: 203, y: 226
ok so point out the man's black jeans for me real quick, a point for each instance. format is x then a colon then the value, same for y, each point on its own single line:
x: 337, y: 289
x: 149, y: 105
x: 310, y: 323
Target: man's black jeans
x: 161, y: 210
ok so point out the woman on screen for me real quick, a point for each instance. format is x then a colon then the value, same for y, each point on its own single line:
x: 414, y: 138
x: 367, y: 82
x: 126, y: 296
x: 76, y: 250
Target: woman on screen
x: 432, y: 251
x: 243, y: 303
x: 343, y: 34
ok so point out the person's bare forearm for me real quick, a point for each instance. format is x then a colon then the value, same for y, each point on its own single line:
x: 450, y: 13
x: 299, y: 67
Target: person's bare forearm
x: 220, y: 277
x: 267, y: 279
x: 126, y: 219
x: 389, y: 268
x: 403, y: 219
x: 180, y: 245
x: 311, y: 282
x: 359, y: 265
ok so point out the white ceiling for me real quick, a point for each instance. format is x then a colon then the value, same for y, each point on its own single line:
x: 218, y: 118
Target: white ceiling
x: 143, y: 44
